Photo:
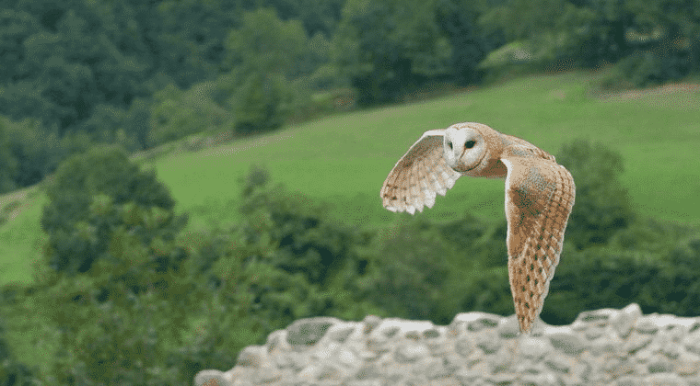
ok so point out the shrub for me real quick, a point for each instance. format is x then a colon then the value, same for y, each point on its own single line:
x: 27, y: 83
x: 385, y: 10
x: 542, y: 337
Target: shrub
x: 602, y: 204
x: 92, y: 195
x: 408, y: 273
x: 262, y: 103
x: 305, y: 239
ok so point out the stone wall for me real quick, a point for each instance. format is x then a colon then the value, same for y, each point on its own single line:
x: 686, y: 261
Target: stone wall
x: 603, y: 347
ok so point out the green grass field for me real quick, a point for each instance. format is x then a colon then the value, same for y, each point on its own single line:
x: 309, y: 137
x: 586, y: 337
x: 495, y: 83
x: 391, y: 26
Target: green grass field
x: 343, y: 159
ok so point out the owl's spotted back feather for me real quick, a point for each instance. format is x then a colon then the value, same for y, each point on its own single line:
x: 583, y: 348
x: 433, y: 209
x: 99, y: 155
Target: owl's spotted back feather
x: 539, y: 198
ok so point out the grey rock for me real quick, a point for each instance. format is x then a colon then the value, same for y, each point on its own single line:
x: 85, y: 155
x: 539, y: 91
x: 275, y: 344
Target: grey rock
x: 567, y: 343
x: 340, y: 332
x: 484, y: 321
x: 210, y: 378
x: 431, y: 333
x: 464, y: 347
x: 370, y: 322
x: 277, y: 341
x: 659, y: 365
x: 371, y: 382
x: 605, y: 344
x: 666, y: 379
x: 628, y: 380
x: 389, y: 331
x: 413, y: 335
x: 267, y: 374
x: 594, y: 316
x: 488, y: 342
x: 467, y: 377
x: 692, y: 343
x: 411, y: 352
x: 252, y: 356
x: 593, y: 333
x: 646, y: 325
x: 436, y: 369
x: 368, y: 371
x: 623, y: 321
x: 687, y: 365
x: 558, y: 365
x: 308, y: 331
x: 636, y: 342
x: 534, y: 348
x: 503, y: 379
x: 539, y: 379
x: 508, y: 327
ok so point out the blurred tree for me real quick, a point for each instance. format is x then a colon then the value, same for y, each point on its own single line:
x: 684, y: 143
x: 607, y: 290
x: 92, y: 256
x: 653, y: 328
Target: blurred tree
x: 543, y: 30
x: 469, y: 40
x: 602, y: 205
x: 8, y: 162
x: 37, y: 152
x: 191, y: 41
x: 12, y: 372
x: 15, y: 28
x: 176, y: 113
x: 264, y: 60
x: 307, y: 242
x: 92, y: 196
x: 388, y: 47
x: 276, y: 49
x: 262, y: 103
x: 408, y: 277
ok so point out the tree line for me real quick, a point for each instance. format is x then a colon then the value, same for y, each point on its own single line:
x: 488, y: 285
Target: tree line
x: 138, y: 74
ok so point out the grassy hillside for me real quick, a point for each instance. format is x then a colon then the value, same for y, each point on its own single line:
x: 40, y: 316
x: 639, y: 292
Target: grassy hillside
x: 344, y: 159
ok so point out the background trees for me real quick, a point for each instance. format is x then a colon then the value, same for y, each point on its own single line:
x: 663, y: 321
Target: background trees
x: 98, y: 199
x: 95, y: 71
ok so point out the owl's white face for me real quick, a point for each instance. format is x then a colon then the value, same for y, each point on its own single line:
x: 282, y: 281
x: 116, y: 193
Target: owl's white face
x: 464, y: 148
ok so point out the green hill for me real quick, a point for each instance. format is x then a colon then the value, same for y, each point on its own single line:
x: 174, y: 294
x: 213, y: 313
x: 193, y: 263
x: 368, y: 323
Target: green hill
x: 343, y: 159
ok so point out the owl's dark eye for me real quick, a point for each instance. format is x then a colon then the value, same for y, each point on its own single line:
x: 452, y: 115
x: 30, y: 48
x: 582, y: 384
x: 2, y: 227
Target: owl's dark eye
x: 470, y: 144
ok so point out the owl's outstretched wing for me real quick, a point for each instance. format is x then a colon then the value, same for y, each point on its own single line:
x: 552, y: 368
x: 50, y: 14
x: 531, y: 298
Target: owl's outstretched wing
x: 419, y: 175
x: 539, y: 198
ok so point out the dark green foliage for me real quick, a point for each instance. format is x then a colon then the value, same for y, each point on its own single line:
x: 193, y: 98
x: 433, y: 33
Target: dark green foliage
x: 597, y: 277
x: 175, y: 113
x: 651, y: 41
x: 474, y: 237
x: 95, y: 194
x: 8, y: 162
x: 264, y: 61
x: 602, y: 206
x: 663, y: 280
x: 385, y: 51
x: 12, y: 372
x: 409, y: 274
x: 470, y: 42
x: 263, y: 103
x: 647, y: 68
x: 486, y: 290
x: 306, y: 240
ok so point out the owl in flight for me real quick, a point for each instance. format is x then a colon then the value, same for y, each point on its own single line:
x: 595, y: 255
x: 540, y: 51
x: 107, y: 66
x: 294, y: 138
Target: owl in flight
x: 539, y: 198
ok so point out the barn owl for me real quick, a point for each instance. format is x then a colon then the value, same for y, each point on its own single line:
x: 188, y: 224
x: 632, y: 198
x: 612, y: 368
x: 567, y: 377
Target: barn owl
x: 539, y: 198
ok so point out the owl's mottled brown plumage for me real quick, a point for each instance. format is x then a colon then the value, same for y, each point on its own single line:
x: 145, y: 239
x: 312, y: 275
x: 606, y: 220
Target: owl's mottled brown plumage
x: 539, y: 198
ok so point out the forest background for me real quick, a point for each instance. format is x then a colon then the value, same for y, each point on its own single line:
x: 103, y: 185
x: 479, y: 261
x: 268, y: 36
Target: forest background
x: 145, y: 235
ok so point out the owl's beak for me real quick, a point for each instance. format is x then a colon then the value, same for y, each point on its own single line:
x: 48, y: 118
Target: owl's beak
x: 453, y: 146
